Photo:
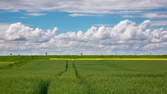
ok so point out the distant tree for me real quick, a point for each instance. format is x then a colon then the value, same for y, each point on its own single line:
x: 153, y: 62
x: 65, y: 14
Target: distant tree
x: 81, y: 54
x: 46, y: 53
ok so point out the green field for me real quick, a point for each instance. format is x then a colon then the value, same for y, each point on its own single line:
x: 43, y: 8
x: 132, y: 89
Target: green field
x: 2, y: 64
x: 43, y: 75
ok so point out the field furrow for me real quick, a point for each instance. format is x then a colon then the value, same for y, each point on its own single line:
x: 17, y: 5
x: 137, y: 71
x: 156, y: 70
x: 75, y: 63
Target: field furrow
x: 67, y: 82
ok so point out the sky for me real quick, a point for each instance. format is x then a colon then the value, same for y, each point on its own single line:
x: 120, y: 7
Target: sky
x: 33, y: 27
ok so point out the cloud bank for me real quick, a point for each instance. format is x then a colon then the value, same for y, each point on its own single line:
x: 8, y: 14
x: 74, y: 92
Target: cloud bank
x: 86, y: 6
x: 126, y: 37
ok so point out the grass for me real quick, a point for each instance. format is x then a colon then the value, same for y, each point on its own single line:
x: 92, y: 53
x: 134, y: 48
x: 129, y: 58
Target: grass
x: 40, y: 75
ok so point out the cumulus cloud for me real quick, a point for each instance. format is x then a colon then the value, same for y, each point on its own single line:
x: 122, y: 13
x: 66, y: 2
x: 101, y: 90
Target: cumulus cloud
x: 3, y: 26
x: 127, y: 37
x: 159, y: 22
x: 19, y: 31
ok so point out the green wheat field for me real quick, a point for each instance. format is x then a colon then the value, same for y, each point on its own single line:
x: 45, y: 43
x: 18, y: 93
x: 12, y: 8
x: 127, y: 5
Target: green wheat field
x: 83, y: 74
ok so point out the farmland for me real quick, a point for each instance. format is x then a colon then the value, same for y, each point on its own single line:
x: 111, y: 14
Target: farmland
x: 5, y: 63
x: 83, y: 75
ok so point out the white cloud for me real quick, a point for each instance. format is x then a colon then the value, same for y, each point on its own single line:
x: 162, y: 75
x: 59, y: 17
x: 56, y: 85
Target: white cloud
x: 158, y: 18
x: 159, y: 23
x: 36, y: 14
x: 21, y: 32
x: 80, y: 14
x: 153, y: 15
x: 3, y: 26
x: 127, y: 37
x: 84, y: 6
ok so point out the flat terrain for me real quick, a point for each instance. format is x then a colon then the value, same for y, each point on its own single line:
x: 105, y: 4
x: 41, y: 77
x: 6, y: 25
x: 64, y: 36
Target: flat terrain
x: 5, y: 63
x: 43, y: 75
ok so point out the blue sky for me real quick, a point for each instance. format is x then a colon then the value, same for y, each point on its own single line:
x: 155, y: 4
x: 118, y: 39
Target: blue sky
x: 92, y: 26
x: 63, y: 20
x: 67, y: 23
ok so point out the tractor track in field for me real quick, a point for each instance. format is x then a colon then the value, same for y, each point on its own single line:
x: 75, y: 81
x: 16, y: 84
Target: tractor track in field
x: 65, y: 70
x: 44, y: 84
x: 82, y: 81
x: 43, y: 87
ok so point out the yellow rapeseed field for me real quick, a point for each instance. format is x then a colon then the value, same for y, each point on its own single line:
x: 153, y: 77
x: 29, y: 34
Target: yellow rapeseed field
x: 108, y: 59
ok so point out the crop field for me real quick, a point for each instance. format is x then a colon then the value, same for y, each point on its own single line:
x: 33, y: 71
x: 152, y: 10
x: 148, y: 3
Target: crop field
x: 83, y: 75
x: 5, y: 63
